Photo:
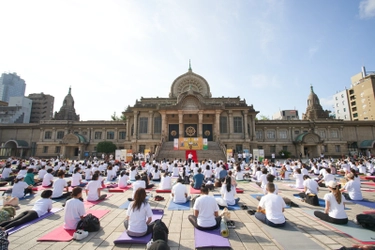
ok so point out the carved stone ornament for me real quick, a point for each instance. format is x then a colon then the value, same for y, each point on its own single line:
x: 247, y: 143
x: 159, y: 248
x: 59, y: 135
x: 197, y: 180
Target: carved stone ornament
x: 173, y: 133
x: 190, y: 131
x: 70, y: 139
x: 207, y: 133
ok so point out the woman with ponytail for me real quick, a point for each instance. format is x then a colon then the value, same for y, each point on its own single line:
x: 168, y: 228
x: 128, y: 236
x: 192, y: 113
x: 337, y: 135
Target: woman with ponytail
x: 334, y: 211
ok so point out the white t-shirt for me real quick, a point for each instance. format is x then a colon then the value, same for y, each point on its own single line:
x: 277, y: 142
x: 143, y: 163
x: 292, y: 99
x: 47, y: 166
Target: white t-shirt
x: 328, y: 177
x: 299, y: 180
x: 336, y: 210
x: 18, y: 189
x: 41, y: 174
x: 176, y: 171
x: 74, y: 209
x: 263, y: 180
x: 179, y: 191
x: 207, y: 206
x: 311, y: 185
x: 111, y: 174
x: 276, y: 189
x: 165, y: 183
x: 42, y: 206
x: 155, y: 175
x: 47, y: 179
x: 132, y: 174
x: 76, y: 179
x: 6, y: 173
x: 354, y: 190
x: 273, y: 204
x: 304, y: 171
x: 239, y: 176
x: 123, y: 181
x: 138, y: 217
x: 88, y: 174
x: 228, y: 196
x: 92, y: 187
x: 207, y: 173
x: 58, y: 187
x: 138, y: 184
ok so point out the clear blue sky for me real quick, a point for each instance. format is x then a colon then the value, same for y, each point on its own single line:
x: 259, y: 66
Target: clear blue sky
x: 114, y: 52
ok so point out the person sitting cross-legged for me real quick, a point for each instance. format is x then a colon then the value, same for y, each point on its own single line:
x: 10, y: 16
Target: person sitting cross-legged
x: 179, y: 192
x: 271, y: 208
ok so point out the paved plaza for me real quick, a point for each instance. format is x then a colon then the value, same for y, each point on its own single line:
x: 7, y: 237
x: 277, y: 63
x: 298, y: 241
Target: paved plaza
x: 248, y: 234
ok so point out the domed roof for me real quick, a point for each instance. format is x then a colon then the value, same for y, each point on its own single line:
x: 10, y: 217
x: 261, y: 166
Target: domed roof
x: 68, y: 100
x: 313, y: 99
x: 190, y: 82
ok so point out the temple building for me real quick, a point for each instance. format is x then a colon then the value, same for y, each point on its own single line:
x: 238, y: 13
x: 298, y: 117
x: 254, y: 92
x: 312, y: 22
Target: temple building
x: 189, y: 118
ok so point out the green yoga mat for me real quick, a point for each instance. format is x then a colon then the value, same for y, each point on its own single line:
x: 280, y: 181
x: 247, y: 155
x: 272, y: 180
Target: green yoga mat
x: 362, y: 235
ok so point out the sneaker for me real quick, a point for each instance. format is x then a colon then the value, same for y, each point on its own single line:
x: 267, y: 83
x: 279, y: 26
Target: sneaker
x: 80, y: 234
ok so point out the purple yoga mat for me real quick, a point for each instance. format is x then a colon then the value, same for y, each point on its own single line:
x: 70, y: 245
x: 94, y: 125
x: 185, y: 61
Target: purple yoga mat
x: 365, y: 203
x: 126, y: 239
x: 18, y: 228
x: 210, y: 238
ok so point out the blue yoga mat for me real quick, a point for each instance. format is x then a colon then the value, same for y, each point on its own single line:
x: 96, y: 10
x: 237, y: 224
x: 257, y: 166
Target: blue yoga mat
x: 322, y: 202
x: 365, y: 203
x: 125, y: 205
x: 363, y: 235
x: 256, y: 195
x: 230, y: 207
x: 182, y: 206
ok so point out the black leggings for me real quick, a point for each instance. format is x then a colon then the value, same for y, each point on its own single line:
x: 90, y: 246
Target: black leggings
x: 326, y: 217
x: 193, y: 221
x: 22, y: 218
x: 63, y: 196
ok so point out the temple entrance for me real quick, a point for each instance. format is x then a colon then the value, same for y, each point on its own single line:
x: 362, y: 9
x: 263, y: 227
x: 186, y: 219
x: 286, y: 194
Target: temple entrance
x: 207, y: 132
x: 173, y: 132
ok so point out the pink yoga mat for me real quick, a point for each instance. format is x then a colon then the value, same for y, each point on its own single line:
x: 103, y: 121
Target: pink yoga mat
x: 118, y: 190
x: 369, y: 212
x: 89, y: 204
x: 194, y: 191
x: 368, y: 183
x: 62, y: 234
x: 370, y: 177
x: 39, y: 188
x: 162, y: 191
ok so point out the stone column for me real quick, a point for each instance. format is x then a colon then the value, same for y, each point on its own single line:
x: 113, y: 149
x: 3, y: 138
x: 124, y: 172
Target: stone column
x: 53, y: 134
x: 245, y: 122
x: 150, y: 123
x: 180, y: 124
x: 135, y: 125
x: 41, y: 137
x: 200, y: 121
x: 164, y: 130
x: 277, y: 134
x: 230, y: 123
x: 217, y: 123
x: 115, y: 138
x: 127, y: 131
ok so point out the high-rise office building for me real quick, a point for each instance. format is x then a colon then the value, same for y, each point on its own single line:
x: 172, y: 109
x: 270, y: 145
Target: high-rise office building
x: 11, y: 85
x: 42, y: 107
x: 341, y: 105
x: 286, y: 115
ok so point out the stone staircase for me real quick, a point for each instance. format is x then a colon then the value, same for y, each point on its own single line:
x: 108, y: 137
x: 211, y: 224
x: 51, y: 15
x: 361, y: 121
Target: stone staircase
x: 214, y: 152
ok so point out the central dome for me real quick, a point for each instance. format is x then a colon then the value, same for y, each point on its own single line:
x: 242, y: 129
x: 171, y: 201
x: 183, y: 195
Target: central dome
x: 190, y: 82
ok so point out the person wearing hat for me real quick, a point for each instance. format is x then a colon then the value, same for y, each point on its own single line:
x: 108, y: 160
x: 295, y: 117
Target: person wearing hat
x: 21, y: 188
x: 353, y: 189
x: 334, y: 211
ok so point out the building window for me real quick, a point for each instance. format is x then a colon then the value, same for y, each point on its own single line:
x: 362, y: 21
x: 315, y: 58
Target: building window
x: 260, y: 147
x: 157, y: 125
x: 344, y: 109
x: 57, y: 150
x: 45, y: 149
x: 273, y: 149
x: 325, y: 148
x: 337, y: 148
x: 334, y: 134
x: 270, y: 134
x: 336, y: 98
x: 143, y: 124
x: 84, y: 133
x: 237, y: 124
x: 223, y: 124
x: 296, y: 132
x: 48, y: 135
x: 285, y: 148
x: 121, y: 135
x: 322, y: 133
x: 110, y: 135
x: 259, y: 134
x: 60, y: 135
x: 283, y: 134
x: 98, y: 135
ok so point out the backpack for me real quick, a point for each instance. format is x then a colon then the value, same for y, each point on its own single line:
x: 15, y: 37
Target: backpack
x: 160, y: 231
x: 312, y: 200
x: 366, y: 221
x: 4, y: 242
x: 6, y: 213
x: 89, y: 223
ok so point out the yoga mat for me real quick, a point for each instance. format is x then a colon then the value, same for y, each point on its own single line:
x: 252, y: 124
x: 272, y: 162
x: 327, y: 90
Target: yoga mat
x: 369, y: 212
x: 180, y: 206
x: 293, y: 187
x: 370, y: 177
x: 239, y: 190
x: 62, y: 234
x: 125, y: 205
x: 162, y: 191
x: 124, y: 238
x: 322, y: 202
x: 40, y: 188
x: 367, y: 190
x: 18, y: 228
x: 118, y: 190
x: 365, y: 203
x: 230, y: 207
x: 89, y: 204
x: 212, y: 238
x: 353, y: 230
x: 368, y: 183
x: 290, y: 238
x: 194, y: 191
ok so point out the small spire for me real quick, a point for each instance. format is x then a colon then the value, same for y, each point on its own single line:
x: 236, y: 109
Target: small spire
x: 70, y: 90
x: 190, y: 66
x: 311, y: 87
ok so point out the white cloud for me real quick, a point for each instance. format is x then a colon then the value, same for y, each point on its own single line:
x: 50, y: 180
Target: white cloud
x: 327, y: 102
x: 367, y: 9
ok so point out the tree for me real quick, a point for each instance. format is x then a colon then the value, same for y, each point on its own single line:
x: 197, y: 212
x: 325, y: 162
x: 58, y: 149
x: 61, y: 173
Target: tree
x: 262, y: 117
x: 114, y: 117
x: 284, y: 154
x: 106, y: 147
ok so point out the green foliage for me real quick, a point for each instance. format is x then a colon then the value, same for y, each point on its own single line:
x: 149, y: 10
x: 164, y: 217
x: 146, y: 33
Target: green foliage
x: 262, y: 118
x: 285, y: 154
x: 106, y: 147
x: 114, y: 117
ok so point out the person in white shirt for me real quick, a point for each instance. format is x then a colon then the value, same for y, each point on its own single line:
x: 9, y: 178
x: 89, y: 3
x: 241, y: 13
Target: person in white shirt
x: 41, y: 207
x: 21, y: 188
x: 133, y: 172
x: 190, y: 157
x: 299, y: 178
x: 326, y: 178
x: 239, y: 174
x: 77, y: 178
x: 123, y: 181
x: 179, y: 193
x: 176, y: 170
x: 271, y: 207
x: 166, y: 182
x: 88, y: 173
x: 42, y: 172
x: 352, y: 188
x: 74, y: 209
x: 334, y: 211
x: 93, y: 189
x: 111, y: 174
x: 139, y: 215
x: 155, y: 173
x: 310, y: 193
x: 304, y: 171
x: 262, y: 181
x: 59, y: 185
x: 228, y: 191
x: 7, y: 174
x: 137, y: 185
x: 48, y: 178
x: 270, y: 178
x: 205, y: 212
